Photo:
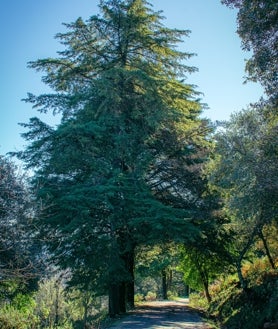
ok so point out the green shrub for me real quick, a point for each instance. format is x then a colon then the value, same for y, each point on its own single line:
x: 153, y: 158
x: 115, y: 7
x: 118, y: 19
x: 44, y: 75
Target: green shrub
x: 12, y: 318
x: 151, y: 296
x: 249, y: 309
x: 171, y: 295
x: 198, y: 300
x: 138, y: 298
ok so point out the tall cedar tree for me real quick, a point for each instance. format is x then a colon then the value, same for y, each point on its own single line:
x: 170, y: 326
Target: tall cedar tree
x: 127, y: 119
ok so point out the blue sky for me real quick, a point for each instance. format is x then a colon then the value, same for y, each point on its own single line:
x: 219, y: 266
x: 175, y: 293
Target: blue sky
x: 27, y: 33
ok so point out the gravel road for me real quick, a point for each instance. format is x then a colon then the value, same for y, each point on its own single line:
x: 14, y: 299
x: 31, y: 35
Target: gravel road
x: 161, y: 314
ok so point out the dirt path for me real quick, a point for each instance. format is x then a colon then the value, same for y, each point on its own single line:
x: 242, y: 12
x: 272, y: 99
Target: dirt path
x: 162, y: 314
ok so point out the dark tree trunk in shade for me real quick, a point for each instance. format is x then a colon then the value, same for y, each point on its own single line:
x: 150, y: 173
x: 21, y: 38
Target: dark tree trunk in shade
x: 129, y: 294
x: 114, y: 304
x: 122, y: 298
x: 164, y: 284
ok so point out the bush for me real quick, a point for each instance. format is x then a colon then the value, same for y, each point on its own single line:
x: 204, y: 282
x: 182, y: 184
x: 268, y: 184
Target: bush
x: 138, y: 298
x: 198, y: 300
x: 172, y: 295
x: 151, y: 296
x: 249, y: 309
x: 12, y: 318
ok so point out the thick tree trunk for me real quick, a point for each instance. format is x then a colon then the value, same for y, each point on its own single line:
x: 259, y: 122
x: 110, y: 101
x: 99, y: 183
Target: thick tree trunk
x: 164, y: 284
x: 130, y: 294
x: 129, y: 261
x: 114, y: 308
x: 122, y: 297
x: 121, y: 291
x: 117, y: 299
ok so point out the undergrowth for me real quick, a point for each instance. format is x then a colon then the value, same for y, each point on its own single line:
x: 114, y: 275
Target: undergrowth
x: 234, y: 308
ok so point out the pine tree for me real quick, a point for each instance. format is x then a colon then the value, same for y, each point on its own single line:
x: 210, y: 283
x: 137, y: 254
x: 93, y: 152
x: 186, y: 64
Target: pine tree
x: 127, y: 116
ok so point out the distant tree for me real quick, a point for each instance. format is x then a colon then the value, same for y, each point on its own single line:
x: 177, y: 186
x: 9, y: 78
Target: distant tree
x: 198, y: 270
x: 203, y: 259
x: 16, y: 263
x: 257, y: 27
x: 127, y: 117
x: 158, y: 262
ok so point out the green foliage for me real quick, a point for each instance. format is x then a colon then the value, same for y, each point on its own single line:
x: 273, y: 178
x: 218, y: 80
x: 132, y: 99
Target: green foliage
x: 58, y: 305
x: 245, y: 163
x: 200, y: 266
x: 151, y: 296
x: 18, y: 250
x: 155, y: 270
x: 257, y: 26
x: 51, y: 304
x: 198, y: 301
x: 19, y: 314
x: 235, y: 308
x: 104, y: 176
x: 190, y: 269
x: 171, y: 295
x: 244, y: 172
x: 146, y: 283
x: 138, y: 298
x: 204, y: 259
x: 12, y: 318
x: 24, y: 303
x: 254, y: 308
x: 153, y: 259
x: 16, y: 231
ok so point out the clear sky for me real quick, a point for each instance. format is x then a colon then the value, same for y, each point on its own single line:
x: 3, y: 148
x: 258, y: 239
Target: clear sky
x: 28, y: 27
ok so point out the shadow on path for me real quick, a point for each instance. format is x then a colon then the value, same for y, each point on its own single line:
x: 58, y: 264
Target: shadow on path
x: 162, y: 314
